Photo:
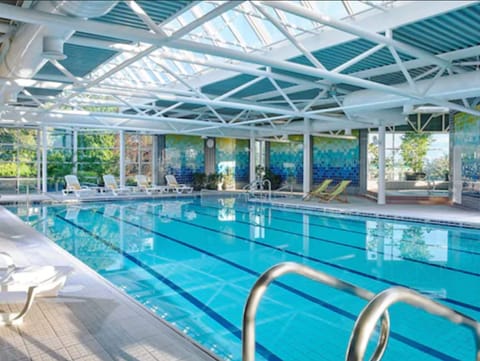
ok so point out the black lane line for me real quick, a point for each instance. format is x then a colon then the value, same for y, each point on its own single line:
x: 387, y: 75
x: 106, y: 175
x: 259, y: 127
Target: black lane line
x: 177, y: 289
x: 398, y: 336
x: 341, y: 230
x: 373, y: 217
x: 443, y: 267
x: 311, y: 258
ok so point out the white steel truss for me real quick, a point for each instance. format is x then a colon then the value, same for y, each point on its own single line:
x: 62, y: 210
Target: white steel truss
x: 165, y: 79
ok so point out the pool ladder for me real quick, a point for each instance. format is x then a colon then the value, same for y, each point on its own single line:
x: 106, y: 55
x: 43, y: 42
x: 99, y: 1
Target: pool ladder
x: 256, y: 189
x: 376, y: 309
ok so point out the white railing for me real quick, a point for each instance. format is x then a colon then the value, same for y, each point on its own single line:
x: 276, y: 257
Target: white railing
x: 367, y: 321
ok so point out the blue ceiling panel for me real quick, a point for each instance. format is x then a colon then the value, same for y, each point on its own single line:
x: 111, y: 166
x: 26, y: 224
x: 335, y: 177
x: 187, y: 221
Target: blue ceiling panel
x: 447, y: 32
x: 158, y: 11
x: 80, y: 61
x: 224, y: 86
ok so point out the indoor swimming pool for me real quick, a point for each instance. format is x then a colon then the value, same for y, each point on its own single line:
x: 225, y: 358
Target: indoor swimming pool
x: 193, y: 261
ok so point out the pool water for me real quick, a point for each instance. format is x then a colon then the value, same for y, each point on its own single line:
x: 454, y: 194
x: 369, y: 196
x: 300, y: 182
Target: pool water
x: 193, y: 262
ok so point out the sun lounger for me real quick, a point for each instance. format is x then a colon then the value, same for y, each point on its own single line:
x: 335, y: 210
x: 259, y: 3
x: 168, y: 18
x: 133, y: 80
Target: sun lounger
x: 142, y: 184
x: 73, y: 185
x: 318, y: 191
x: 21, y: 285
x: 172, y: 184
x: 336, y: 193
x: 111, y: 185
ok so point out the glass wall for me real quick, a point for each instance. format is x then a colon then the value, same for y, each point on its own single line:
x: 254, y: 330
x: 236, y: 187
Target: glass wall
x: 98, y: 154
x: 138, y: 156
x: 466, y: 148
x: 414, y: 161
x: 59, y: 157
x: 19, y: 160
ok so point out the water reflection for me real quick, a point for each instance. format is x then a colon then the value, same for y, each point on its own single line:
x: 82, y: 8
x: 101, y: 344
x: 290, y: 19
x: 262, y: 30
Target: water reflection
x: 397, y: 241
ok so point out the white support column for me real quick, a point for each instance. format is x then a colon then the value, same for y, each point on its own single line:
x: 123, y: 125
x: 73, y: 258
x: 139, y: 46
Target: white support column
x: 307, y: 158
x: 75, y: 152
x: 39, y: 163
x: 154, y: 160
x: 306, y: 235
x: 122, y: 158
x: 456, y: 176
x: 252, y: 159
x: 44, y: 159
x: 381, y: 165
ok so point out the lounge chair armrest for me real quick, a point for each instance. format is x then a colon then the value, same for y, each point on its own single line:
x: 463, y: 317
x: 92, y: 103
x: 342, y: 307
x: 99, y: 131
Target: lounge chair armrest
x: 7, y: 259
x: 16, y: 317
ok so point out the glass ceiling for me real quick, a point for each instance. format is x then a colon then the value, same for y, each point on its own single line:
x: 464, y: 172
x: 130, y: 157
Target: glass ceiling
x: 243, y: 28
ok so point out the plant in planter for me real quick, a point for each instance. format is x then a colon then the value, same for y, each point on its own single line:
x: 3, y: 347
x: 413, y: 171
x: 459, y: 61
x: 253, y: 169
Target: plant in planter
x: 228, y: 179
x: 260, y: 171
x: 413, y: 149
x: 275, y: 179
x: 213, y: 180
x: 199, y: 181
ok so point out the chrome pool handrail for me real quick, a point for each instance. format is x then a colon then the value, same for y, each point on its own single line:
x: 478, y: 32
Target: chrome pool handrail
x: 370, y: 315
x: 260, y: 286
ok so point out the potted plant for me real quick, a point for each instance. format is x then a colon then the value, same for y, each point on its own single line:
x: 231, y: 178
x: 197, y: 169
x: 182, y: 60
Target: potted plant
x: 214, y: 180
x: 199, y: 180
x: 413, y: 149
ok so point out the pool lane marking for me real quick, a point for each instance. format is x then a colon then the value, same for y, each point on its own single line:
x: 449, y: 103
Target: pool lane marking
x: 311, y: 258
x: 229, y: 326
x: 339, y: 229
x: 412, y: 343
x: 442, y: 267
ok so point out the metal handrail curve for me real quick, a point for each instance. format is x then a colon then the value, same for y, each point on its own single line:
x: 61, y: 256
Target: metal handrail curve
x: 369, y: 316
x: 267, y: 181
x: 260, y: 286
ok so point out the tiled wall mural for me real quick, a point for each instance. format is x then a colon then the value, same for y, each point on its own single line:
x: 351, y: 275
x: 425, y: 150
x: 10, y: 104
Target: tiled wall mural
x: 184, y: 155
x: 286, y: 159
x: 466, y: 138
x: 336, y: 159
x: 232, y: 158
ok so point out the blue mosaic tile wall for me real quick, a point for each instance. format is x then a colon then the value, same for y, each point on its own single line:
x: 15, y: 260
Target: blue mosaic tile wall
x: 232, y: 155
x: 466, y: 136
x: 336, y: 159
x: 286, y: 159
x: 184, y: 155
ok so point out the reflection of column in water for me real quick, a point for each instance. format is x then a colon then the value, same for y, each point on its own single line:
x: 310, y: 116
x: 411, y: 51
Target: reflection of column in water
x: 121, y: 234
x: 45, y: 222
x: 381, y: 245
x: 306, y: 234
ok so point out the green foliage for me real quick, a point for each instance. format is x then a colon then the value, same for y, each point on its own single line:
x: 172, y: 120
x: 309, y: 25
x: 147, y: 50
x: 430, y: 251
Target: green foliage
x: 100, y: 155
x: 212, y: 180
x: 275, y: 179
x: 413, y: 244
x: 8, y: 170
x: 58, y: 165
x: 199, y: 181
x: 413, y: 149
x: 373, y: 157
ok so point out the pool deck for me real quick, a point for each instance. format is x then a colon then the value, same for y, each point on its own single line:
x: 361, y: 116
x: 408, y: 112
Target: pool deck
x: 93, y: 320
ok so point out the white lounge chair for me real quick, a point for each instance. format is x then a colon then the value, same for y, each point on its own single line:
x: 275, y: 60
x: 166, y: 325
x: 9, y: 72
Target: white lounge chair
x: 73, y: 185
x: 47, y: 279
x: 111, y: 185
x: 172, y: 184
x: 20, y: 286
x: 142, y: 184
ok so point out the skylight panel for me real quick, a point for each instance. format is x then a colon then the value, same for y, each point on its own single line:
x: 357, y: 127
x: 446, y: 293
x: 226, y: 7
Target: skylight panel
x: 335, y: 9
x: 224, y: 31
x: 298, y: 23
x: 358, y: 6
x: 243, y: 27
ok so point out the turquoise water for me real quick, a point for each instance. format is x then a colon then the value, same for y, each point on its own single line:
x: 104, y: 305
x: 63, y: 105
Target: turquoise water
x: 193, y: 262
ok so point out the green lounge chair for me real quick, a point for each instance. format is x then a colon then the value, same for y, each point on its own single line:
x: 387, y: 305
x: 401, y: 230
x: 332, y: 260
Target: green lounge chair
x: 336, y: 193
x: 317, y: 192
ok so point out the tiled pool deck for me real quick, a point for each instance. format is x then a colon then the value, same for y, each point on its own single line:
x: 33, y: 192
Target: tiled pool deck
x: 92, y: 320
